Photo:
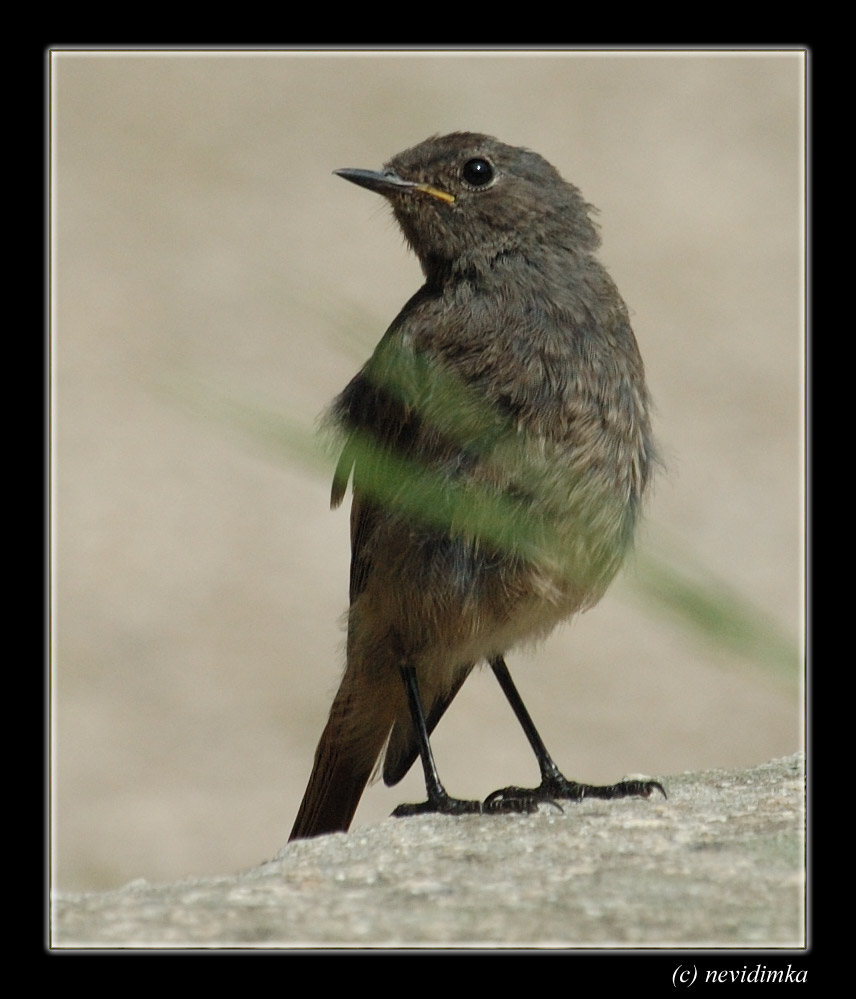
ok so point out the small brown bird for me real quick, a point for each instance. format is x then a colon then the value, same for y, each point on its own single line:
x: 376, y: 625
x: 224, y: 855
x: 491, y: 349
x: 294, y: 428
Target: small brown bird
x: 500, y: 447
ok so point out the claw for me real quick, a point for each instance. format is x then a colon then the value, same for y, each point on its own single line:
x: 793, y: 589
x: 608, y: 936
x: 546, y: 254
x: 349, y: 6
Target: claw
x: 439, y: 806
x: 522, y: 799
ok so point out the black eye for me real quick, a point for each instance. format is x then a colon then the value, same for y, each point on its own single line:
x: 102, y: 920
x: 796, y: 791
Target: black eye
x: 478, y: 172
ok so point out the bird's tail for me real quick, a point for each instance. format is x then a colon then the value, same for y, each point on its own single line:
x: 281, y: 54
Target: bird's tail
x: 344, y: 761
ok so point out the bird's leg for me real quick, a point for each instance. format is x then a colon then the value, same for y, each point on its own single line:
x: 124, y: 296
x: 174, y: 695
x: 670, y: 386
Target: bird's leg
x: 438, y: 798
x: 553, y: 785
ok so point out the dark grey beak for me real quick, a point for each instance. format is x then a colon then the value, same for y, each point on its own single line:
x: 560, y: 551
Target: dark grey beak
x: 388, y: 183
x: 382, y: 181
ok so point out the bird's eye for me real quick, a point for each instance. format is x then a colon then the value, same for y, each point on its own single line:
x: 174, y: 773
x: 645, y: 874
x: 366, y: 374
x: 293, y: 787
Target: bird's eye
x: 478, y: 172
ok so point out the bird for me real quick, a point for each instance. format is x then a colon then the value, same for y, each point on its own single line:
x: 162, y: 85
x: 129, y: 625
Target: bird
x: 499, y: 445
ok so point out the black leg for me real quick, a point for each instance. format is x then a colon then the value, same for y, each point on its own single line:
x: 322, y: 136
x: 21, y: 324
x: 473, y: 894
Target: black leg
x: 438, y: 799
x: 553, y: 785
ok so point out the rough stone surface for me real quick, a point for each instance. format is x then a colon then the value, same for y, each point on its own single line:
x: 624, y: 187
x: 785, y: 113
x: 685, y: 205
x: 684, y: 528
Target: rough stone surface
x: 721, y: 863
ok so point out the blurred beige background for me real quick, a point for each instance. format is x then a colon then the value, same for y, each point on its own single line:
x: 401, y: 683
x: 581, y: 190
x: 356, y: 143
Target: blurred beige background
x: 200, y: 240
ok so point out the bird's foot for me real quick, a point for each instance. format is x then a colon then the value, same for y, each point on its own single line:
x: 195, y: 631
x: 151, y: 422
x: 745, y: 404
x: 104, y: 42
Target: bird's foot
x: 439, y: 804
x: 555, y: 789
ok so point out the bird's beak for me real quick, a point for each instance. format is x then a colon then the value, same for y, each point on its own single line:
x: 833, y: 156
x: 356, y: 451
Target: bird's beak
x: 387, y: 182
